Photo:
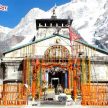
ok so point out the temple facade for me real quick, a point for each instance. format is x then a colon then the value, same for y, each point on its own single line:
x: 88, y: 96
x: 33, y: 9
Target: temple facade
x: 51, y: 60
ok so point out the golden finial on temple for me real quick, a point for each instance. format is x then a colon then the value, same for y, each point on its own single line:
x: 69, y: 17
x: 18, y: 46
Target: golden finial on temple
x: 54, y: 12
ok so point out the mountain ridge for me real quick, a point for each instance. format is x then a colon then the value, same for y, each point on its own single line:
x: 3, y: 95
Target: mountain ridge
x: 88, y: 18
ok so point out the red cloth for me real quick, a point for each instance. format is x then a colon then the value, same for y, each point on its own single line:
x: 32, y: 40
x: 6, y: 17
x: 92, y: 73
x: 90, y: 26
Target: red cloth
x: 73, y: 35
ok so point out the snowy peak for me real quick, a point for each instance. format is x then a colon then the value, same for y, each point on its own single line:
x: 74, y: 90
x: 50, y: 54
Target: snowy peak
x: 3, y: 33
x: 34, y: 13
x: 4, y: 29
x: 27, y: 24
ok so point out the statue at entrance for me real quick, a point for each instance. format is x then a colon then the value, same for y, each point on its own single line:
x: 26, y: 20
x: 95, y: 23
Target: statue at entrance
x: 59, y: 89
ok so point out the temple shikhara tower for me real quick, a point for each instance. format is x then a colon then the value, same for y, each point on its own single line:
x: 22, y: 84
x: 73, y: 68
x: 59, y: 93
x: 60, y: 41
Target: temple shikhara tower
x: 57, y: 60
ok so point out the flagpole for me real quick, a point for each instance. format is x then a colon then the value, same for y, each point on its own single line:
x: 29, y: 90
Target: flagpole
x: 73, y: 36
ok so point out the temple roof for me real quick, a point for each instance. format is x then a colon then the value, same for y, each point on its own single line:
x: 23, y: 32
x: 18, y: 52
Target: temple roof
x: 44, y: 23
x: 66, y: 37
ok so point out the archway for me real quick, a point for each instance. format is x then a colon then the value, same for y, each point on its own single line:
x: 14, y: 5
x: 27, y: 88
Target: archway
x: 57, y: 59
x: 56, y: 53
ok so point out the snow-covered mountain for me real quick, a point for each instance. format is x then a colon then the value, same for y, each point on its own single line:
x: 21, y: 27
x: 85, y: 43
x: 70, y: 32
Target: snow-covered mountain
x: 4, y: 29
x: 3, y: 37
x: 3, y: 32
x: 7, y: 41
x: 101, y: 25
x: 27, y: 25
x: 90, y: 19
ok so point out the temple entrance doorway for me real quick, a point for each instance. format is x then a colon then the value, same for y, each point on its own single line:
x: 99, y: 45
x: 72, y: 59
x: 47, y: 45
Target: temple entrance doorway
x: 55, y: 82
x: 57, y: 77
x: 57, y: 59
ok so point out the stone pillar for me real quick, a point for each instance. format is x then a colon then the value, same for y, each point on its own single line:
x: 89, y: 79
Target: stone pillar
x: 13, y: 71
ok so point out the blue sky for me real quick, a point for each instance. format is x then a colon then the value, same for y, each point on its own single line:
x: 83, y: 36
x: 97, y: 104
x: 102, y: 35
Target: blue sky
x: 19, y: 8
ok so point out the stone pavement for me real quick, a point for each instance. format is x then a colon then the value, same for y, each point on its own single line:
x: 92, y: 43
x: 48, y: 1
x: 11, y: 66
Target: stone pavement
x: 53, y: 106
x: 76, y: 104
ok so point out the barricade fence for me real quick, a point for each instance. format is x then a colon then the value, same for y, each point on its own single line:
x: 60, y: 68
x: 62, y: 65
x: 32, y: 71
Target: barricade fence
x: 94, y: 94
x: 12, y: 94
